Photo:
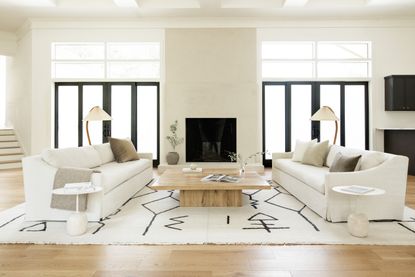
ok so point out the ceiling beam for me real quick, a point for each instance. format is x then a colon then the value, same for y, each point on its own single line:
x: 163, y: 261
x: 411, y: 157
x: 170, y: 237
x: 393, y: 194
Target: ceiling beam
x: 126, y: 3
x: 294, y: 3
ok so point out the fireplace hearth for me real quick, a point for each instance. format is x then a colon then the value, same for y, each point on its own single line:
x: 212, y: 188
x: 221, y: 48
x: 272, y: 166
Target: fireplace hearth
x: 210, y: 139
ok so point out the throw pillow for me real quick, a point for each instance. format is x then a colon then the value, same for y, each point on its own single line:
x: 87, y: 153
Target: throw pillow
x: 316, y: 154
x: 371, y: 159
x: 123, y: 150
x: 345, y: 163
x: 300, y: 148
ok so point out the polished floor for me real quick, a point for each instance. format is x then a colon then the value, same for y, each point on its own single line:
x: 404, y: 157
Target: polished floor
x: 199, y: 260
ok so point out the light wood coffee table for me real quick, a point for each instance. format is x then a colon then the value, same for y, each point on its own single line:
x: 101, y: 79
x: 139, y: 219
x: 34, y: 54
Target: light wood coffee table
x: 195, y: 193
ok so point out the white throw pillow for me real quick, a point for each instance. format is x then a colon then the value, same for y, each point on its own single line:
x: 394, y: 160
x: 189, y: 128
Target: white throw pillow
x: 105, y: 152
x: 372, y: 159
x: 82, y: 157
x: 300, y: 148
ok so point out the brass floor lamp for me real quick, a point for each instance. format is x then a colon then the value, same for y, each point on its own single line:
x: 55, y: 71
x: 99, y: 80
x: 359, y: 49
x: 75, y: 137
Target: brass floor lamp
x: 95, y: 114
x: 325, y: 113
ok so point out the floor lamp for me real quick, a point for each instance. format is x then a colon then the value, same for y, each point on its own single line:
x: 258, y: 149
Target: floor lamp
x: 95, y: 114
x: 325, y: 113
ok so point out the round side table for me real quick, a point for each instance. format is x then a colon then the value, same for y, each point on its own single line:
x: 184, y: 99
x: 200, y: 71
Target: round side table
x: 77, y: 222
x: 357, y: 223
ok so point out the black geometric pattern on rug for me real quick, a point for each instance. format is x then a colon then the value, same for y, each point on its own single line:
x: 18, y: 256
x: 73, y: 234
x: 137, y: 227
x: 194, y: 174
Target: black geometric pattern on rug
x: 176, y: 222
x: 42, y: 225
x: 155, y: 214
x: 11, y: 220
x: 299, y: 212
x: 261, y: 219
x: 254, y: 203
x: 406, y: 227
x: 101, y: 222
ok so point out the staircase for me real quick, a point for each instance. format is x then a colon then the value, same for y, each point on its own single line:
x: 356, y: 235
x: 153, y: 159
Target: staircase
x: 10, y: 152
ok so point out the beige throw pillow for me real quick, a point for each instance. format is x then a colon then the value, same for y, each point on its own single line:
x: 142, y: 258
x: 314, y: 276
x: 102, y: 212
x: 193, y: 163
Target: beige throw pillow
x: 123, y: 150
x: 316, y: 154
x: 300, y: 148
x: 345, y: 163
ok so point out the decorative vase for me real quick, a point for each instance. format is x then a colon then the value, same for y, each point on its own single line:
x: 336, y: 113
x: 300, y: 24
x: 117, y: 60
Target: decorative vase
x: 172, y: 158
x: 242, y: 169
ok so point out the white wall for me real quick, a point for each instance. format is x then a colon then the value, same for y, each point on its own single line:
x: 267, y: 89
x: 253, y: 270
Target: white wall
x: 208, y: 72
x: 211, y: 73
x: 393, y: 53
x: 19, y: 92
x: 8, y: 43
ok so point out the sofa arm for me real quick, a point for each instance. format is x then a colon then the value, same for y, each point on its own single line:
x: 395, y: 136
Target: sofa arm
x: 282, y: 155
x: 148, y: 156
x: 391, y: 176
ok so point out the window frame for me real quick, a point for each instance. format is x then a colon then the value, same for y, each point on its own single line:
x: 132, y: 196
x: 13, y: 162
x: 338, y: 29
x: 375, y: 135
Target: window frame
x: 315, y: 105
x: 106, y: 105
x: 316, y: 61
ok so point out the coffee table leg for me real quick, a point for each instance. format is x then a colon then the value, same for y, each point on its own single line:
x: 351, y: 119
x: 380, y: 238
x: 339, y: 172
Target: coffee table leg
x: 210, y: 198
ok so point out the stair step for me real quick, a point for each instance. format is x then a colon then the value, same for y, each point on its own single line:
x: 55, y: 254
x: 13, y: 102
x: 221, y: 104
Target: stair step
x: 6, y: 132
x: 11, y: 158
x: 10, y: 151
x: 9, y: 144
x: 11, y: 165
x: 8, y: 138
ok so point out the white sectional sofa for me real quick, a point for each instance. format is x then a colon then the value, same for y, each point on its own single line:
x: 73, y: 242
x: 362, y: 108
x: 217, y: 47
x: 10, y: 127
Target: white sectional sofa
x: 313, y: 185
x: 119, y: 180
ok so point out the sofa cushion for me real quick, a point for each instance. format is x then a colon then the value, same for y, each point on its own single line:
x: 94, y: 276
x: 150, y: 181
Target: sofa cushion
x: 345, y: 163
x: 123, y: 150
x: 371, y: 159
x: 113, y: 174
x: 300, y: 148
x: 316, y: 154
x: 105, y: 152
x: 312, y: 176
x: 335, y: 149
x: 82, y: 157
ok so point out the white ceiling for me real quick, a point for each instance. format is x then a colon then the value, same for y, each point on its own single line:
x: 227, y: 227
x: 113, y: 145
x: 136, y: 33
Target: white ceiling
x: 13, y: 13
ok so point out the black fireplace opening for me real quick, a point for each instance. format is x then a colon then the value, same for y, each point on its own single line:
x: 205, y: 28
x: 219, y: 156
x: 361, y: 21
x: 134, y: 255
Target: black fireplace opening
x: 210, y: 139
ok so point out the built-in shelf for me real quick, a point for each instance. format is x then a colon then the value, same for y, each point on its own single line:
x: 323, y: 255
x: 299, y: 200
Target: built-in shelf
x: 395, y: 128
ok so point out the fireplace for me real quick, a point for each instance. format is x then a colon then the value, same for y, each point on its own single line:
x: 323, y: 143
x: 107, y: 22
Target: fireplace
x: 210, y: 139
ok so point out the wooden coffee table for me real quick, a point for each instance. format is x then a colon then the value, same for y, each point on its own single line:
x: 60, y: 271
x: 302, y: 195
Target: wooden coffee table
x: 195, y: 193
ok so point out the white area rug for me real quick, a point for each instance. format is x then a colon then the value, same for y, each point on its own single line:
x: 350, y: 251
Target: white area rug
x: 267, y: 217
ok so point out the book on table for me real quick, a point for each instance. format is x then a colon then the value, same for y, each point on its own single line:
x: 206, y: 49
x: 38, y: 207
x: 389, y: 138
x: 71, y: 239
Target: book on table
x: 78, y: 186
x: 358, y: 189
x: 221, y: 178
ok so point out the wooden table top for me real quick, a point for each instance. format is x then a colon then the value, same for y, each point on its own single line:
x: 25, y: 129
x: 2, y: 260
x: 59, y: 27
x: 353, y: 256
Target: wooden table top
x: 176, y: 179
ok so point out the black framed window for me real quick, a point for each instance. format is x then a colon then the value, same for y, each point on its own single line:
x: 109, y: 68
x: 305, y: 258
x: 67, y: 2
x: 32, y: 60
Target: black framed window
x: 133, y: 106
x: 288, y: 106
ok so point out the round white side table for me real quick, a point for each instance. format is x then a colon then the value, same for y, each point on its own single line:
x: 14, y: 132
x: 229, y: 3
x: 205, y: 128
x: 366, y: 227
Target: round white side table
x: 357, y: 223
x: 77, y: 222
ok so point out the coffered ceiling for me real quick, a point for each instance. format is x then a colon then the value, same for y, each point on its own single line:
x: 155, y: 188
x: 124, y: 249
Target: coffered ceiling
x: 13, y: 13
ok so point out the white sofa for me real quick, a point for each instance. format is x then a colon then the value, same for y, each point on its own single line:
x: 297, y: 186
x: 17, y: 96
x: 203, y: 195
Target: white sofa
x: 119, y: 180
x: 313, y: 185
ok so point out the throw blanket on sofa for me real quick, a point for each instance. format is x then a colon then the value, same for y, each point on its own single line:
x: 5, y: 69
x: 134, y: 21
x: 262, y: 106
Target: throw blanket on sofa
x: 67, y: 175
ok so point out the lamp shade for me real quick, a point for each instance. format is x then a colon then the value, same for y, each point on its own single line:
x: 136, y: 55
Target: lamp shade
x: 325, y: 113
x: 97, y: 114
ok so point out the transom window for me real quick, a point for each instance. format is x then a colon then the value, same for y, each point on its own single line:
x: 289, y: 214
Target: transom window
x: 110, y: 60
x: 315, y: 60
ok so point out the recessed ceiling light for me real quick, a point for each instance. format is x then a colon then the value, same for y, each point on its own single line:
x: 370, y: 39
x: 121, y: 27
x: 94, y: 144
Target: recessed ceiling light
x: 126, y: 3
x: 295, y: 3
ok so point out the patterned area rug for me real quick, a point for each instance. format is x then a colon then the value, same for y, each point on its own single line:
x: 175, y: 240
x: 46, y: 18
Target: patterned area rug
x: 149, y: 217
